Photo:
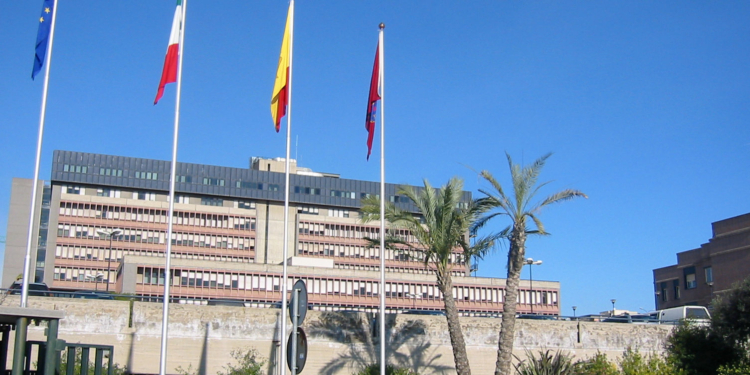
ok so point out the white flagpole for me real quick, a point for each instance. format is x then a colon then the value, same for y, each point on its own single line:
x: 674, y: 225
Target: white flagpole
x: 284, y: 288
x: 381, y: 83
x: 42, y: 115
x: 172, y: 178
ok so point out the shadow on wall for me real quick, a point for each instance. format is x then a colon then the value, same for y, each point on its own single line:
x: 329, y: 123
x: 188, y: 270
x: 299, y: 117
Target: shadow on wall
x: 407, y: 346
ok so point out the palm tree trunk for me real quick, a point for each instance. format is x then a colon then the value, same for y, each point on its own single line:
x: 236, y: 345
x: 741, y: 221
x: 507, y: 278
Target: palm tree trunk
x: 445, y: 284
x: 508, y: 325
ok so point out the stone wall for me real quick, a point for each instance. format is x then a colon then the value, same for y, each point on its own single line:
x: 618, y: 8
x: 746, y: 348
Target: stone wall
x: 204, y: 336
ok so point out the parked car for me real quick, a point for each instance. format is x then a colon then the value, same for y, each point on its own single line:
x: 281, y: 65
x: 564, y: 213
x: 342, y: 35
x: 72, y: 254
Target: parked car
x: 35, y: 289
x: 697, y: 314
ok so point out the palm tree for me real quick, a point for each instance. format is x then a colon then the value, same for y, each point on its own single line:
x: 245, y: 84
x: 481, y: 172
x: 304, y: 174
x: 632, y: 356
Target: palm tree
x: 440, y: 228
x: 521, y: 210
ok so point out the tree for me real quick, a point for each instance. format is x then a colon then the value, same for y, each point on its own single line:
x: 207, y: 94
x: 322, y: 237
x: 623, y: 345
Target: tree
x: 731, y: 316
x: 521, y: 209
x: 441, y: 227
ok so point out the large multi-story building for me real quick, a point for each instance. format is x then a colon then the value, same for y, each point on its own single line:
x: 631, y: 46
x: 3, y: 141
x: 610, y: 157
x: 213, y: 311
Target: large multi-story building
x: 228, y: 237
x: 711, y: 269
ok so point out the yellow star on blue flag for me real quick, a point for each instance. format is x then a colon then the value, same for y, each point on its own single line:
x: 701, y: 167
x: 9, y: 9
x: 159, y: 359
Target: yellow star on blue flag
x: 42, y: 36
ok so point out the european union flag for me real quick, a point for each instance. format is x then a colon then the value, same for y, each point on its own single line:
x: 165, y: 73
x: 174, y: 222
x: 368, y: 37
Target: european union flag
x: 42, y: 36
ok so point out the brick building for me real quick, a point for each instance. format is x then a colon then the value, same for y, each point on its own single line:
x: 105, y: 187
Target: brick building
x: 711, y: 269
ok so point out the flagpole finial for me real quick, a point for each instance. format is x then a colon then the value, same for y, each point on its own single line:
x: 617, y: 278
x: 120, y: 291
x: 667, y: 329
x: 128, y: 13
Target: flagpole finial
x: 382, y: 26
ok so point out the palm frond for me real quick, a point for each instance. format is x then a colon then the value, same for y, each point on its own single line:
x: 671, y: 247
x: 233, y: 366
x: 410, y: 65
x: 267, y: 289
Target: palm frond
x: 561, y: 196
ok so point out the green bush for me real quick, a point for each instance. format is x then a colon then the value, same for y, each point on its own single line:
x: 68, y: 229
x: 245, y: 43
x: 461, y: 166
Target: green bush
x: 596, y: 365
x: 633, y: 363
x: 249, y: 362
x: 546, y: 364
x: 736, y: 369
x: 699, y: 350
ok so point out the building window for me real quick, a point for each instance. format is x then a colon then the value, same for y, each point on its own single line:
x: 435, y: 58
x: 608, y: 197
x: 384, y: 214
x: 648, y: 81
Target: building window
x: 73, y: 190
x: 338, y: 213
x: 709, y: 275
x: 308, y: 210
x: 210, y: 201
x: 368, y: 195
x: 690, y: 282
x: 75, y: 168
x: 399, y: 199
x: 664, y: 297
x: 273, y: 187
x: 146, y: 175
x: 144, y: 196
x: 306, y: 190
x: 246, y: 205
x: 249, y: 185
x: 676, y: 288
x: 185, y: 179
x: 343, y: 194
x: 110, y: 172
x: 213, y: 181
x: 110, y: 193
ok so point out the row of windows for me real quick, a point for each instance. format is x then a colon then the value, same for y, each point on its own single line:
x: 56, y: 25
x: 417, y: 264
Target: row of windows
x: 94, y: 254
x: 327, y: 286
x: 343, y: 194
x: 151, y: 196
x: 109, y: 172
x: 338, y: 213
x: 148, y: 215
x: 84, y: 275
x: 306, y: 190
x: 318, y: 285
x: 75, y: 168
x: 158, y: 237
x: 350, y: 231
x: 416, y: 271
x: 354, y: 251
x: 213, y: 181
x: 146, y: 175
x: 308, y: 210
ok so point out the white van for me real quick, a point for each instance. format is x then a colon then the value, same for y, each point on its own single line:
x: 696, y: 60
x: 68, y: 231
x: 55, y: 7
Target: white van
x: 697, y: 314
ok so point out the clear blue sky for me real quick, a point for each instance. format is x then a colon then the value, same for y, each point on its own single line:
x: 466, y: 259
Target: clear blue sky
x: 645, y: 105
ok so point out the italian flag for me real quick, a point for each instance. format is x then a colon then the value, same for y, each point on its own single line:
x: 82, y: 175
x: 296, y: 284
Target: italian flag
x: 169, y: 73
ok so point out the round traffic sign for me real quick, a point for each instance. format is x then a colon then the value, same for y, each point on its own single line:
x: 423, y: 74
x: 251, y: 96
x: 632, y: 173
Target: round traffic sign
x: 301, y: 350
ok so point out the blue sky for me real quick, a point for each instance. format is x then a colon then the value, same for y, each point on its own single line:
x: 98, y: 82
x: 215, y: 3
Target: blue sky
x: 644, y: 104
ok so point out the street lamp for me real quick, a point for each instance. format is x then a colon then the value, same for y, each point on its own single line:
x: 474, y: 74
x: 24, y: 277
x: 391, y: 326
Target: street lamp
x: 613, y: 306
x: 96, y: 278
x: 574, y: 311
x: 109, y: 233
x: 532, y: 262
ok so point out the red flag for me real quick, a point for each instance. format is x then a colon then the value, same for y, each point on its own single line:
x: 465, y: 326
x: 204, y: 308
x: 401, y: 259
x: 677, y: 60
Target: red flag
x: 169, y: 73
x: 372, y: 101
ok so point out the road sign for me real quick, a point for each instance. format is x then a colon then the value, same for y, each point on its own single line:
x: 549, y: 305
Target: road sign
x: 299, y: 298
x: 301, y: 350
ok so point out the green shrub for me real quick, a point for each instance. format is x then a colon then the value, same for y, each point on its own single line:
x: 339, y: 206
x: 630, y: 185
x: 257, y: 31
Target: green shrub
x: 735, y: 369
x: 634, y: 363
x: 249, y: 362
x: 596, y: 365
x: 546, y: 364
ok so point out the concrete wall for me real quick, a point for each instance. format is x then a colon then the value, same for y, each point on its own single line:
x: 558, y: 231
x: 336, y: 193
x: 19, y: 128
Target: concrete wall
x: 205, y: 335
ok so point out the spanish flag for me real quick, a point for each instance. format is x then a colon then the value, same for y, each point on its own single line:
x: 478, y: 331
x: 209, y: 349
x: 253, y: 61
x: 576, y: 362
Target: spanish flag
x: 169, y: 73
x: 280, y: 97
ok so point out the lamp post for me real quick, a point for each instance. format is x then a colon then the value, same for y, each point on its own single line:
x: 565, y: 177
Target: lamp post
x: 109, y: 233
x: 613, y: 306
x: 96, y: 278
x: 532, y: 262
x: 574, y: 311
